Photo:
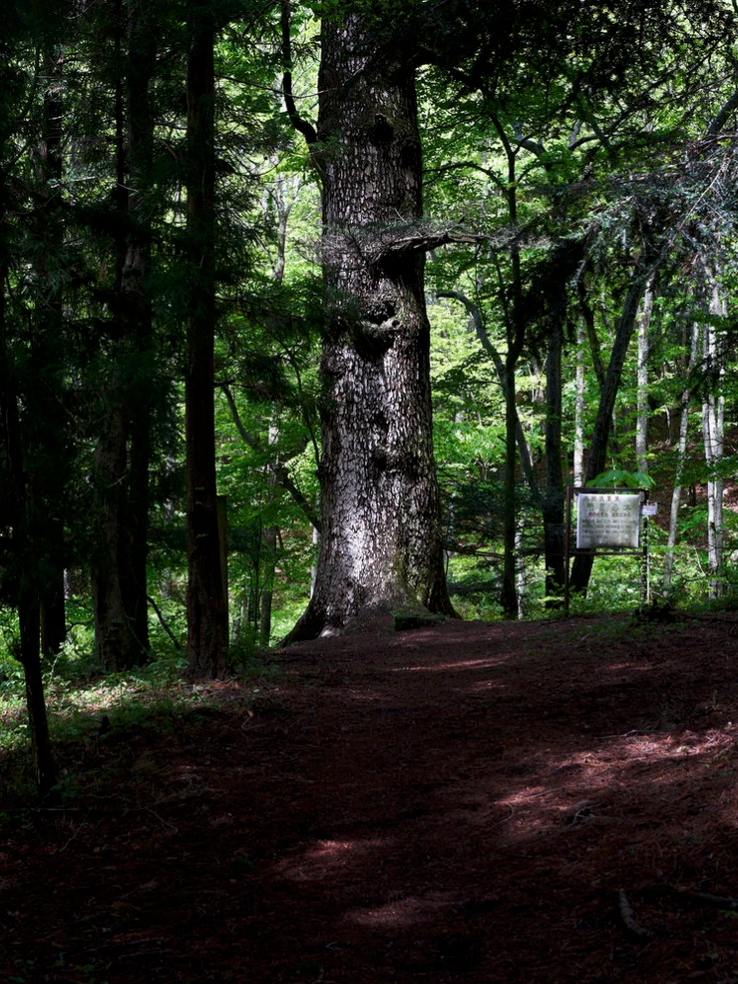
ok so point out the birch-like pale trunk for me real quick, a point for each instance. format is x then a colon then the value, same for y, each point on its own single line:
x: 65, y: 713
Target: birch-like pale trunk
x: 520, y: 579
x: 713, y: 408
x: 579, y: 411
x: 642, y: 409
x: 554, y: 522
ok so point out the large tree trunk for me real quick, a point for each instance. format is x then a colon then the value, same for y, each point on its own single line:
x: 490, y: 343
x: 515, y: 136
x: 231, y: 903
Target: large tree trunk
x: 207, y: 615
x: 123, y: 451
x: 381, y: 542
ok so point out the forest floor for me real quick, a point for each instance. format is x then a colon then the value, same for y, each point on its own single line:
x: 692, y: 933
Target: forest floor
x: 532, y: 802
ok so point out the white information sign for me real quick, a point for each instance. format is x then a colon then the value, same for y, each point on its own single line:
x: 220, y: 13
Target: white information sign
x: 608, y: 520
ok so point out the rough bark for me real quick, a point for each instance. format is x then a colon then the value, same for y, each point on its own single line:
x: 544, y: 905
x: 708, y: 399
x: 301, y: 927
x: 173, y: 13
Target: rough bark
x: 123, y: 451
x: 115, y: 635
x: 381, y: 543
x: 207, y: 617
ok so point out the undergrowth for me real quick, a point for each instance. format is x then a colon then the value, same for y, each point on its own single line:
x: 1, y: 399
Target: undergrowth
x: 87, y: 710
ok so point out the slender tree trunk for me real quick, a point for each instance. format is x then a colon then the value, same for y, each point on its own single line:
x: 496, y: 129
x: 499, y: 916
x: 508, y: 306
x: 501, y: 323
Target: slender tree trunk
x: 270, y: 533
x: 381, y: 533
x: 269, y: 538
x: 43, y: 761
x: 49, y: 476
x: 269, y: 553
x: 515, y: 332
x: 136, y: 307
x: 520, y: 579
x: 509, y: 599
x: 713, y: 407
x: 579, y: 410
x: 642, y: 408
x: 582, y: 566
x: 29, y: 579
x: 207, y: 617
x: 681, y: 459
x: 553, y: 506
x: 114, y: 630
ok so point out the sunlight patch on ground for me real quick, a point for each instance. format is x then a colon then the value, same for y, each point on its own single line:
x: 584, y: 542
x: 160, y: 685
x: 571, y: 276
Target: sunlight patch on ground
x: 324, y: 858
x: 470, y: 664
x: 640, y: 667
x: 401, y: 913
x: 593, y: 781
x: 369, y: 696
x: 485, y: 685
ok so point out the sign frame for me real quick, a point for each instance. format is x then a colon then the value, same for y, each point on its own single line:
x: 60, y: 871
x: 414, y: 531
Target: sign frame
x: 641, y: 550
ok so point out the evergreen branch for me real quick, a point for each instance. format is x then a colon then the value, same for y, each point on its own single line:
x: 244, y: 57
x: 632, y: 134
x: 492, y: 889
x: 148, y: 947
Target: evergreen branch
x: 280, y: 472
x: 471, y: 166
x: 594, y: 345
x: 475, y: 314
x: 305, y: 415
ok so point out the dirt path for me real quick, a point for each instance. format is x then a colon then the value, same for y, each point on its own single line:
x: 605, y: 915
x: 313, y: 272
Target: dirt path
x: 461, y: 804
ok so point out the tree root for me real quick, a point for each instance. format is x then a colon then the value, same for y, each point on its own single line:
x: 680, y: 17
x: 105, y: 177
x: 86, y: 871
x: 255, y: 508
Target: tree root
x: 626, y: 914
